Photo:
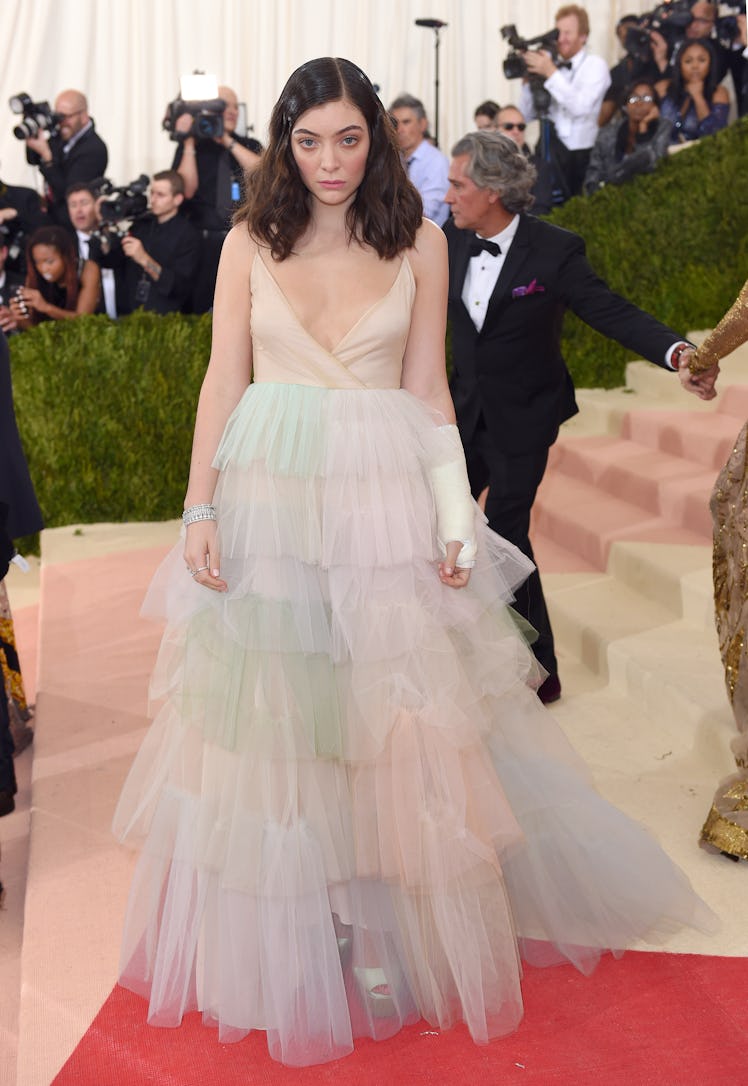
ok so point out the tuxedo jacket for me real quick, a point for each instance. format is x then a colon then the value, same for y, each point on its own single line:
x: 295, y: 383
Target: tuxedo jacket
x: 512, y: 372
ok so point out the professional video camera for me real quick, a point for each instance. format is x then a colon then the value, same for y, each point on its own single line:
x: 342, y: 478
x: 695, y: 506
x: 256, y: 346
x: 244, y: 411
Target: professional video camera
x: 207, y: 118
x: 37, y: 117
x: 120, y: 207
x: 728, y: 31
x: 198, y: 96
x: 514, y: 66
x: 670, y: 18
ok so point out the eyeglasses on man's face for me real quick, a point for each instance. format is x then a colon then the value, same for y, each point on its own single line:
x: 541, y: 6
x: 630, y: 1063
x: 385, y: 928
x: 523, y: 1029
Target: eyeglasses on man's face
x: 632, y: 101
x: 508, y: 126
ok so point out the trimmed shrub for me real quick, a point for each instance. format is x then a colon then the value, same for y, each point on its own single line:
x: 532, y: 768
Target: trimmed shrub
x: 106, y: 412
x: 674, y: 242
x: 106, y: 409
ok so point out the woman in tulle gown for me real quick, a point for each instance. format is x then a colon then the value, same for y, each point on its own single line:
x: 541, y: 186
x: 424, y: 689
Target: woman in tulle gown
x: 356, y: 812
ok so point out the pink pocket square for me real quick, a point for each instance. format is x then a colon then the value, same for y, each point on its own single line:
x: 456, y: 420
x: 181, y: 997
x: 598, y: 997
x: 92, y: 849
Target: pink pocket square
x: 532, y: 288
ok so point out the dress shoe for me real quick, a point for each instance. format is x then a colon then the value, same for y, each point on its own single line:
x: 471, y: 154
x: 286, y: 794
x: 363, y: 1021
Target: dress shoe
x: 550, y: 690
x: 7, y: 803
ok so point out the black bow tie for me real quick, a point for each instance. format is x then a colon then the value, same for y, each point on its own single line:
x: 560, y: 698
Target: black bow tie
x: 477, y: 245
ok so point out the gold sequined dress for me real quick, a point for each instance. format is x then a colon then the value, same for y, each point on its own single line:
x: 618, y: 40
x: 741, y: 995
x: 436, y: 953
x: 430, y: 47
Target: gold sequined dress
x: 726, y: 827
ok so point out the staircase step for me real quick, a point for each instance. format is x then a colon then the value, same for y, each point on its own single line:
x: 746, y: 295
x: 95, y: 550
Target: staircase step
x: 627, y: 470
x: 707, y: 439
x: 585, y: 520
x: 590, y: 612
x: 674, y: 676
x: 677, y: 576
x: 734, y: 401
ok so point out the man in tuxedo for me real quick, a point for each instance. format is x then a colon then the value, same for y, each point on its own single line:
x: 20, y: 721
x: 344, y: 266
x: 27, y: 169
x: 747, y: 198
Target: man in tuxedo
x: 510, y: 385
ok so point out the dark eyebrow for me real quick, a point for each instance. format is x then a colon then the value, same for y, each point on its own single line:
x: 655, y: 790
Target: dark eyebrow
x: 342, y: 131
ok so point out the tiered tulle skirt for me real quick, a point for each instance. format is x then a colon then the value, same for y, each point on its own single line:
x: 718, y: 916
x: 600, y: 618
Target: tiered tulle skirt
x: 355, y: 811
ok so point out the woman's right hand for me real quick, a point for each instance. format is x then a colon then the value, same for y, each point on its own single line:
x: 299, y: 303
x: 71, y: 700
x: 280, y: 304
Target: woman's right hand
x: 201, y: 554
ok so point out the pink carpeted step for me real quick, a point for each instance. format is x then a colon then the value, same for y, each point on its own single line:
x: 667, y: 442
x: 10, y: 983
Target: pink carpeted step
x: 734, y: 401
x: 553, y: 558
x: 586, y: 520
x: 629, y: 471
x: 707, y: 439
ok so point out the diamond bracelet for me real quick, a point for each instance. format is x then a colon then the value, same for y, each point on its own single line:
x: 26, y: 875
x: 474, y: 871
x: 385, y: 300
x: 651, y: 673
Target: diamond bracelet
x: 198, y: 512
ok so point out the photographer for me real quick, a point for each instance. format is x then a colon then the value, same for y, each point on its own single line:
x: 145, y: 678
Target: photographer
x: 83, y: 210
x: 9, y: 283
x: 213, y: 172
x: 75, y: 152
x: 20, y: 215
x: 576, y: 86
x: 159, y: 254
x: 647, y: 58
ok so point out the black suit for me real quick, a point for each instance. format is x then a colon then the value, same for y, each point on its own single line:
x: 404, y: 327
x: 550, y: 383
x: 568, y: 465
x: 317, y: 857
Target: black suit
x: 510, y: 385
x: 85, y: 161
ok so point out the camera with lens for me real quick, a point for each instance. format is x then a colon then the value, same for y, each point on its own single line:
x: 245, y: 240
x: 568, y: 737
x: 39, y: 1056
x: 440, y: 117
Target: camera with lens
x: 207, y: 118
x: 119, y: 203
x: 37, y: 117
x: 670, y: 18
x: 514, y: 66
x: 728, y: 31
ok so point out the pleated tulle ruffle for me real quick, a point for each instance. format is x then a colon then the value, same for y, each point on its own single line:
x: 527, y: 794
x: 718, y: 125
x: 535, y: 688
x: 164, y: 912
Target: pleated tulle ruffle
x: 355, y: 810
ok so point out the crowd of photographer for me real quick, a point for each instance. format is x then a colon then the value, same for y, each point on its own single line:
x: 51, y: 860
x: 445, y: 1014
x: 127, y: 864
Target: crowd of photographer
x: 597, y: 127
x: 600, y: 126
x: 152, y: 246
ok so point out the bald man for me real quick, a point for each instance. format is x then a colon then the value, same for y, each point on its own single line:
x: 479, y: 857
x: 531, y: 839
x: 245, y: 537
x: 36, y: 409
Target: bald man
x: 75, y: 154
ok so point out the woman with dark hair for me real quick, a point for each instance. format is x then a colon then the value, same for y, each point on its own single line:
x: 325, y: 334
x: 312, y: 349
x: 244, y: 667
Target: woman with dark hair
x: 695, y: 104
x: 354, y: 803
x: 636, y: 144
x: 56, y: 288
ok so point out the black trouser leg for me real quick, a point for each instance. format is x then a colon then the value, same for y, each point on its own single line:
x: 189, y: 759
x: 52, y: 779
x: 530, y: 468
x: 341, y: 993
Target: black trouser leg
x: 512, y: 484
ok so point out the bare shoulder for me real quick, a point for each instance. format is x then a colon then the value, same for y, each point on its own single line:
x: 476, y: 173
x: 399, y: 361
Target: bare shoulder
x: 720, y: 94
x: 240, y: 248
x: 429, y: 250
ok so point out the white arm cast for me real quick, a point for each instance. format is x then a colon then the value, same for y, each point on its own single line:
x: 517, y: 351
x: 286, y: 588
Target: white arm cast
x: 455, y: 509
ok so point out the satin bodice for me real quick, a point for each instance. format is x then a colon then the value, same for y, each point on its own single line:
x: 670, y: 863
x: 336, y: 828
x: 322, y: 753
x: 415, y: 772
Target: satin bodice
x: 369, y: 355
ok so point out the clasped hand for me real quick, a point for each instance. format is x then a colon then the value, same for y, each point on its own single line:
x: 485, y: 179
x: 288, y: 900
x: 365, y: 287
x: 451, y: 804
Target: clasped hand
x: 700, y: 384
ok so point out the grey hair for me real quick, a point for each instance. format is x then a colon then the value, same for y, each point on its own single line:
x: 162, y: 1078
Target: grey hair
x: 496, y: 162
x: 407, y: 101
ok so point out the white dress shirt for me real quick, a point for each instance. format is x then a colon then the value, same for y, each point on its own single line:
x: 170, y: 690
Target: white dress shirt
x: 108, y: 288
x: 576, y: 96
x: 483, y: 274
x: 428, y: 169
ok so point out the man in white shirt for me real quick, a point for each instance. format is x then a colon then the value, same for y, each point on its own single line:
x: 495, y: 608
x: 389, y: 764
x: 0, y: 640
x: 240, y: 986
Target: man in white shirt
x: 577, y: 86
x: 427, y: 167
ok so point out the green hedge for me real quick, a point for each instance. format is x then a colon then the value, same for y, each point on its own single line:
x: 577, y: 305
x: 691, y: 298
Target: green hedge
x: 675, y: 242
x: 106, y: 409
x: 106, y: 412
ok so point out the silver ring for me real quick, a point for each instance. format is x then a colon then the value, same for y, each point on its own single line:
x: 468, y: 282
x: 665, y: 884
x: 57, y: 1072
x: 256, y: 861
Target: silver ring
x: 200, y: 569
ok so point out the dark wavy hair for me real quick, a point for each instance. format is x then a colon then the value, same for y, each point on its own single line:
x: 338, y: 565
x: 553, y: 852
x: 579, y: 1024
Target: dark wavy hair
x: 677, y: 91
x: 386, y: 210
x: 61, y: 240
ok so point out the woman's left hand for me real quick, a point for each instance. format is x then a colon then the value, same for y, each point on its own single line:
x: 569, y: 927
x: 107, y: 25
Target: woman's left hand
x: 450, y: 574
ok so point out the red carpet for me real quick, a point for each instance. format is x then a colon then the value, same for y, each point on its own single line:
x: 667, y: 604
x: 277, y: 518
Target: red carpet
x: 646, y: 1020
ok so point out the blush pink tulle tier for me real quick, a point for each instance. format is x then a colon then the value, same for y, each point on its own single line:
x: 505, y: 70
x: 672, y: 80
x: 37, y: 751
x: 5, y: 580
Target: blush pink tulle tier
x: 354, y: 810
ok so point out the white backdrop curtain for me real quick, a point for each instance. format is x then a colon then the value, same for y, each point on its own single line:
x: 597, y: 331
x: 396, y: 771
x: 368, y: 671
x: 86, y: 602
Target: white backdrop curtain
x: 127, y: 56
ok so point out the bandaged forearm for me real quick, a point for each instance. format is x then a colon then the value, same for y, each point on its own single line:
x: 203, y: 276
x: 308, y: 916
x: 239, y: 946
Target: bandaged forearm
x: 455, y: 509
